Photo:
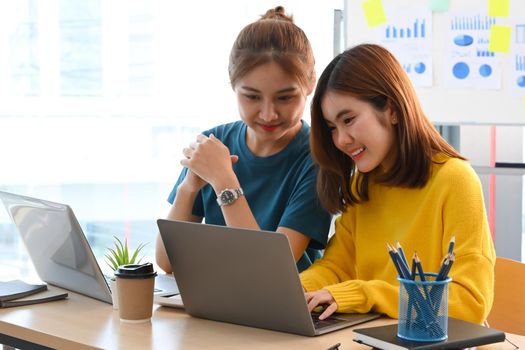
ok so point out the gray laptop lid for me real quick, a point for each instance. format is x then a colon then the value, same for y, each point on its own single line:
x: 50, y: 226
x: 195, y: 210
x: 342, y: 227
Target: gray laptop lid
x: 59, y: 249
x: 57, y: 246
x: 240, y: 276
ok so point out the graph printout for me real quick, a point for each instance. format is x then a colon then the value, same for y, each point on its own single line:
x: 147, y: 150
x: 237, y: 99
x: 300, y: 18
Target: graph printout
x: 516, y: 82
x: 408, y: 35
x: 470, y: 63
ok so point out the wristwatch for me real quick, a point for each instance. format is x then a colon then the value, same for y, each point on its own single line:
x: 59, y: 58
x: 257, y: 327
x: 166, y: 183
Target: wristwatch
x: 229, y: 195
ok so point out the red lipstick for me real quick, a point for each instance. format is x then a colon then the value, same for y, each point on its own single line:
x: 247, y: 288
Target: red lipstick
x: 269, y: 128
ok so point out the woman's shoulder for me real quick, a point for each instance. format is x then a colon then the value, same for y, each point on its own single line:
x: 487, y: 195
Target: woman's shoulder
x: 303, y: 136
x: 224, y: 128
x: 452, y: 169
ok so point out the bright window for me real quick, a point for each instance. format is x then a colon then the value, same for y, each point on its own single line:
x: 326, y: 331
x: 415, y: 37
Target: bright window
x: 99, y: 97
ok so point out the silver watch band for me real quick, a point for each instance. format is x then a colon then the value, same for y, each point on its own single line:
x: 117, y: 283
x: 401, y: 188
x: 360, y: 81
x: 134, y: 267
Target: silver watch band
x: 229, y: 196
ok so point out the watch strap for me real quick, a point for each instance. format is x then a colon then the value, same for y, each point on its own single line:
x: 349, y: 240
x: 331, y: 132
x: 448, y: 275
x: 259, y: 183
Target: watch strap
x: 229, y: 196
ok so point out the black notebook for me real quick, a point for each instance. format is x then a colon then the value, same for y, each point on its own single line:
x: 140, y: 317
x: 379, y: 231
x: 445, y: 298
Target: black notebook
x: 461, y: 334
x: 37, y: 298
x: 18, y: 289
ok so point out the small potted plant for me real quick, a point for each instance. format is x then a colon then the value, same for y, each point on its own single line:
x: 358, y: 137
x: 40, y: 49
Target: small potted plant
x: 120, y: 255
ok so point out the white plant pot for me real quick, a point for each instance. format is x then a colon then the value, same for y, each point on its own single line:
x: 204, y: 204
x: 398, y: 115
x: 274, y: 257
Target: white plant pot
x: 114, y: 293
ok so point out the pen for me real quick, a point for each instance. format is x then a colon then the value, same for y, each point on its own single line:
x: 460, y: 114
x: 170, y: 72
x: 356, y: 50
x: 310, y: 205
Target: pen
x: 451, y: 244
x: 443, y: 268
x: 451, y: 261
x: 402, y: 254
x: 394, y: 260
x: 424, y: 300
x: 410, y: 302
x: 402, y: 269
x: 334, y: 347
x: 443, y: 275
x: 402, y: 266
x: 413, y: 272
x: 419, y: 268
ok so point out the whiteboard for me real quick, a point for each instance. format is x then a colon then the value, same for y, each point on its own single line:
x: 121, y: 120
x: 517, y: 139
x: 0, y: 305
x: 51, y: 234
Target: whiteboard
x: 441, y: 103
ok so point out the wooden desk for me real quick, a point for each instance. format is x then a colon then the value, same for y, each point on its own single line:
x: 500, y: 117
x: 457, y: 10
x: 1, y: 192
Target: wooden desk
x: 84, y: 323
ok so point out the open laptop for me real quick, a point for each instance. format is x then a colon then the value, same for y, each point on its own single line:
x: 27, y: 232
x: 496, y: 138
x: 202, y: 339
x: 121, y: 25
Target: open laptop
x: 243, y: 276
x: 59, y: 249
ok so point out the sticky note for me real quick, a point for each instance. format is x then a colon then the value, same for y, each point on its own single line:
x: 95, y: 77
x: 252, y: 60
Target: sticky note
x: 499, y: 38
x: 499, y: 8
x: 438, y: 5
x: 374, y: 12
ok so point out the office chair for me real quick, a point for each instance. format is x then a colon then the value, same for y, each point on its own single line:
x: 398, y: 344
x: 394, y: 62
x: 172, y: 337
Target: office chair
x: 508, y: 310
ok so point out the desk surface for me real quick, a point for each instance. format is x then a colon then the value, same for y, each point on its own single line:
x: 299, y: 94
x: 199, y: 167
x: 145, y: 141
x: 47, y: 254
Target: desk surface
x: 84, y: 323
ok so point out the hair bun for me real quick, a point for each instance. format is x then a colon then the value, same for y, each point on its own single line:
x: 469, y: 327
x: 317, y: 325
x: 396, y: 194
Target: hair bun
x: 277, y: 13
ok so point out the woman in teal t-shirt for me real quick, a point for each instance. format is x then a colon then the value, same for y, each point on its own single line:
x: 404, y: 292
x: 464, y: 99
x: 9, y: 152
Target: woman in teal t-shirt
x: 257, y: 173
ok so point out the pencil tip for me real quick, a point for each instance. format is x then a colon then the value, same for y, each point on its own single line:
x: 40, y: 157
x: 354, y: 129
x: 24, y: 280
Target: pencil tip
x: 453, y: 239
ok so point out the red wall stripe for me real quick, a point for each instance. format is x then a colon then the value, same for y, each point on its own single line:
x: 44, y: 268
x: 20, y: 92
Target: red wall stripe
x: 492, y: 182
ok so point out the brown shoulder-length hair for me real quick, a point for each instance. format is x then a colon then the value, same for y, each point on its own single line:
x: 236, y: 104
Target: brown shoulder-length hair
x: 372, y: 74
x: 273, y: 38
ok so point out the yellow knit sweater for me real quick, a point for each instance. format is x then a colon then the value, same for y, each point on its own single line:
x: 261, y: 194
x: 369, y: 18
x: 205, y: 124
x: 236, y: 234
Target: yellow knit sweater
x: 356, y: 267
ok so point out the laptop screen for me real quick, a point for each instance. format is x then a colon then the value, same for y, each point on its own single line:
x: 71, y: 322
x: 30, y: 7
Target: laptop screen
x: 241, y: 276
x: 56, y: 244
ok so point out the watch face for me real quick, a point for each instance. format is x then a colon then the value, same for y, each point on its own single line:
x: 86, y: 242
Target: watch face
x: 227, y: 197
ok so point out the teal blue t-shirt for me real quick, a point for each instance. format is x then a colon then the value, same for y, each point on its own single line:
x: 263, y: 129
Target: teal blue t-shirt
x: 280, y: 189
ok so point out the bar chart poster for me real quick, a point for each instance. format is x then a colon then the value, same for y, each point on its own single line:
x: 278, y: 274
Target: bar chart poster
x: 408, y: 35
x: 516, y: 83
x: 469, y: 63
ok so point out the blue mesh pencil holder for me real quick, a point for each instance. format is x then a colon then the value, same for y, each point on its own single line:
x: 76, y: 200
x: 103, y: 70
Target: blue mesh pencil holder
x: 423, y: 308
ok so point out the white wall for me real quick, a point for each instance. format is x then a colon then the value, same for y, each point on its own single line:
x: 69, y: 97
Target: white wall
x: 442, y: 104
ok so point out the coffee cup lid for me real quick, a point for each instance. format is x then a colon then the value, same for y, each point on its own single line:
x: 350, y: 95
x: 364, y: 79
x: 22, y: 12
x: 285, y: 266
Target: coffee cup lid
x: 136, y: 271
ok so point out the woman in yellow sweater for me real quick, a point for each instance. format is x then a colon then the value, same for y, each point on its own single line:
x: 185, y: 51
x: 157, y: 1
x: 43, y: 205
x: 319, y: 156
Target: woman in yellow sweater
x: 391, y: 175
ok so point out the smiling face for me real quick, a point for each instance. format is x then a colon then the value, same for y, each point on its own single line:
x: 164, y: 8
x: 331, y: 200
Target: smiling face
x: 361, y: 131
x: 271, y: 103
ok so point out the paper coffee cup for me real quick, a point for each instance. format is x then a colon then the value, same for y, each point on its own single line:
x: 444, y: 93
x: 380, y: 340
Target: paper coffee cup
x: 135, y: 284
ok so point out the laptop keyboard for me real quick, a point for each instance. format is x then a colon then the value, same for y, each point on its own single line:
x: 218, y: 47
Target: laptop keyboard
x: 329, y: 321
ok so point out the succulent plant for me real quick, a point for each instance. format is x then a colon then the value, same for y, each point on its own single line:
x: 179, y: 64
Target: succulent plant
x: 120, y: 254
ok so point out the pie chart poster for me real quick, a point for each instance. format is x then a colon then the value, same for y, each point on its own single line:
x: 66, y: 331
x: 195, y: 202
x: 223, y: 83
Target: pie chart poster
x: 516, y: 81
x: 470, y: 63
